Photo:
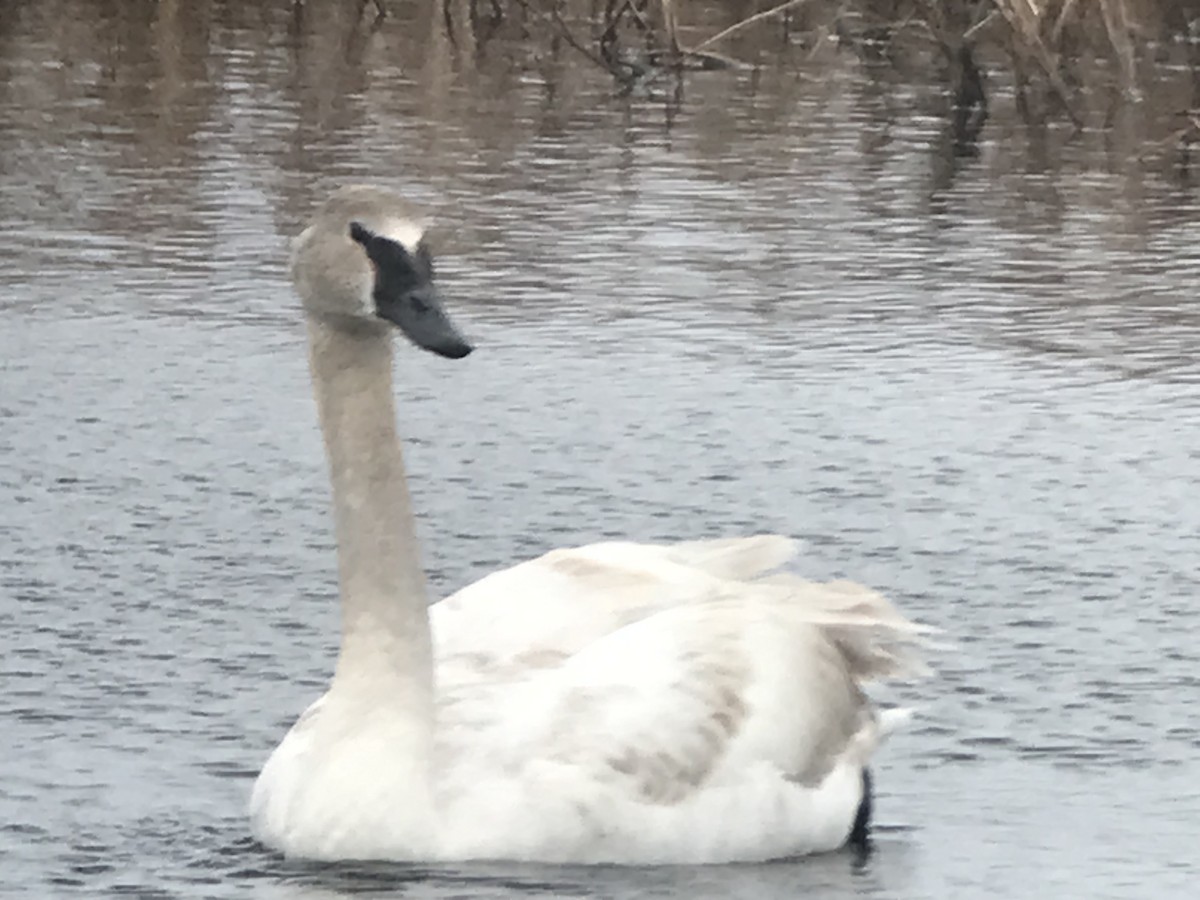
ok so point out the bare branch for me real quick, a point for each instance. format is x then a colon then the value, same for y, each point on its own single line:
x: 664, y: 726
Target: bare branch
x: 738, y: 26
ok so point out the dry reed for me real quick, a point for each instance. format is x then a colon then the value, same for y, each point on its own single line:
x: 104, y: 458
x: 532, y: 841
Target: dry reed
x: 1048, y: 51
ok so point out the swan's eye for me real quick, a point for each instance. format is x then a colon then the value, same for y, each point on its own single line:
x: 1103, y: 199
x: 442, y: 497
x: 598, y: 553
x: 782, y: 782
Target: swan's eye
x: 419, y: 304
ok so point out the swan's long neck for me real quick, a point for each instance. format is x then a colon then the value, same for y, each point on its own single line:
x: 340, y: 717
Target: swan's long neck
x: 385, y: 654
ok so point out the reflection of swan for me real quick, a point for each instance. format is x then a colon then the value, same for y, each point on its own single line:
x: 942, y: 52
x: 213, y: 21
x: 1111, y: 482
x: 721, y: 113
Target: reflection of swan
x: 617, y: 702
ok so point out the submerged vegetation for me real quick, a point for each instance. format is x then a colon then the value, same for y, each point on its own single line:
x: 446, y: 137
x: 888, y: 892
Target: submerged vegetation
x: 1042, y: 80
x: 1049, y: 55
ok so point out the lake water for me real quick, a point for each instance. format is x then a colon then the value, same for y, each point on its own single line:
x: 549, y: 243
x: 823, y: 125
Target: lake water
x: 777, y: 303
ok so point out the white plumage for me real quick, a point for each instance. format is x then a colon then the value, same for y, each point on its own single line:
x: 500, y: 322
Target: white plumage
x: 618, y: 702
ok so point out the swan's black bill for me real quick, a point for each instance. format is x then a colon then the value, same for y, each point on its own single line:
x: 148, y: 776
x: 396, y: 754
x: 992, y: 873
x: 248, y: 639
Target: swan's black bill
x: 419, y: 314
x: 405, y: 295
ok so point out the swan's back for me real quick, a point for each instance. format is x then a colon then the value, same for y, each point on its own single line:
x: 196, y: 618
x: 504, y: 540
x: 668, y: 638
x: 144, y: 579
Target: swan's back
x: 641, y: 703
x: 555, y: 605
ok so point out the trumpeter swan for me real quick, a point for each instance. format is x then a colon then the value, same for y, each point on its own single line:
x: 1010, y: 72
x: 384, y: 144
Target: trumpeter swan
x: 618, y: 702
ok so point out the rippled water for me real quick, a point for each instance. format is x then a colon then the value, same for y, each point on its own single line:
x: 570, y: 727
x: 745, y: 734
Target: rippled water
x: 775, y: 305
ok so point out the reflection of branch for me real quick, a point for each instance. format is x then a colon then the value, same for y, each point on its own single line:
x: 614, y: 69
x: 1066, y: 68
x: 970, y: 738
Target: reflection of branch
x: 380, y: 10
x: 1025, y: 24
x: 721, y: 35
x: 613, y: 15
x: 1063, y: 15
x: 653, y: 64
x: 570, y: 39
x: 969, y: 34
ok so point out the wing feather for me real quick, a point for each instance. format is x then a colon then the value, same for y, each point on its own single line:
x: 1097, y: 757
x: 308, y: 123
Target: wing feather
x: 664, y: 705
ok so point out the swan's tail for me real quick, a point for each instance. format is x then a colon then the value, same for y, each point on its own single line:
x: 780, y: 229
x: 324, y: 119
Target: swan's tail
x: 893, y: 720
x: 877, y: 727
x: 874, y: 638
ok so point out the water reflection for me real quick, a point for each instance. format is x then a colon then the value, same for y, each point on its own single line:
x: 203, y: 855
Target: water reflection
x: 779, y: 301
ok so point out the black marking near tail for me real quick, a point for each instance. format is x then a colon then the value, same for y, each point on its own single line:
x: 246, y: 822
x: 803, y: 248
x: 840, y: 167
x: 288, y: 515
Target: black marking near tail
x: 860, y: 833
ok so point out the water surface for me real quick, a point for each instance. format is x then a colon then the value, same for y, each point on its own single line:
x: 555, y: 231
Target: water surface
x: 777, y: 303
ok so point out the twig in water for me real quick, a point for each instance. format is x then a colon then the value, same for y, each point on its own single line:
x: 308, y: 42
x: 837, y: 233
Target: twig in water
x: 970, y: 33
x: 1116, y: 23
x: 738, y: 26
x: 671, y: 26
x: 612, y: 15
x: 1022, y: 18
x: 1063, y: 15
x: 570, y: 39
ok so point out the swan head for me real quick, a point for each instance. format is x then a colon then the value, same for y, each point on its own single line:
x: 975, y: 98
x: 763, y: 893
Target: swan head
x: 363, y: 263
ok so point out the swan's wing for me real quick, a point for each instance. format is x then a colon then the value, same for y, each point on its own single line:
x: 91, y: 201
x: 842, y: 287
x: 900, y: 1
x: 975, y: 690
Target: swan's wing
x: 759, y: 676
x: 548, y: 608
x: 729, y: 728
